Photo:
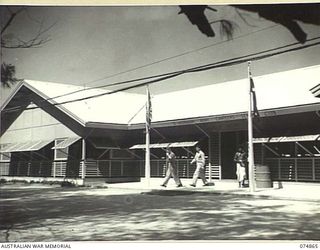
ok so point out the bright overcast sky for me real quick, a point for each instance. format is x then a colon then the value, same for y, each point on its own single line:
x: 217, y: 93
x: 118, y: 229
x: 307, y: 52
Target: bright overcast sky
x: 90, y: 43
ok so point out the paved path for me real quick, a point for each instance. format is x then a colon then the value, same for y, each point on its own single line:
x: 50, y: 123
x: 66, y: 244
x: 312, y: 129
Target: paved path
x: 291, y: 191
x: 44, y: 213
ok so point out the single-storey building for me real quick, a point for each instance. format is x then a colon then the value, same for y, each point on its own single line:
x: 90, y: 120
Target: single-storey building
x: 45, y: 135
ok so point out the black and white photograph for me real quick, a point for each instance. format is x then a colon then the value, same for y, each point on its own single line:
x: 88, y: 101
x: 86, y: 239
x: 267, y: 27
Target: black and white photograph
x: 160, y: 123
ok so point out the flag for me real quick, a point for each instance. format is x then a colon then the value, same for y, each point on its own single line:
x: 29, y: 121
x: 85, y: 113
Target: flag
x: 148, y: 109
x: 254, y: 98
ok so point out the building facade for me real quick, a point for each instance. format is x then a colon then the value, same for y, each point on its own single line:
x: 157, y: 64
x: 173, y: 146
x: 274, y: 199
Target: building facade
x: 56, y: 130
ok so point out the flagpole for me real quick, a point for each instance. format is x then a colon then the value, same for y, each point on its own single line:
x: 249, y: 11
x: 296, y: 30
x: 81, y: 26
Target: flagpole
x: 250, y: 135
x: 147, y: 159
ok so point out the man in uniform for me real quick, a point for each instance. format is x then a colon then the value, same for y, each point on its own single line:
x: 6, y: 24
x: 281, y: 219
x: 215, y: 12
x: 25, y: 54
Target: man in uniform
x: 171, y: 169
x: 240, y: 159
x: 200, y: 160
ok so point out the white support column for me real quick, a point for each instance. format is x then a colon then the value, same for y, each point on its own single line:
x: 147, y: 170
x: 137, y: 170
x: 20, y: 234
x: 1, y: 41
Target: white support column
x: 210, y: 172
x: 220, y: 167
x: 54, y: 169
x: 83, y: 159
x: 210, y: 158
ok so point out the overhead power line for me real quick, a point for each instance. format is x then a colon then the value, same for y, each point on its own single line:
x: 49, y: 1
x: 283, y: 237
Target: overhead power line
x: 153, y: 63
x: 174, y: 72
x: 205, y: 67
x: 178, y: 55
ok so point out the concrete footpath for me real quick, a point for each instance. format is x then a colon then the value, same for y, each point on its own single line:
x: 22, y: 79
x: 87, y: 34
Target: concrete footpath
x: 284, y: 190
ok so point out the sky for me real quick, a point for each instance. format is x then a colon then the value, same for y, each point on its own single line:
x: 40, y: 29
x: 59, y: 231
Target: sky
x: 92, y: 43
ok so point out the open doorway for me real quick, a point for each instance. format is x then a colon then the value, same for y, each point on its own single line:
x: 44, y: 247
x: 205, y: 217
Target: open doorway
x: 228, y: 148
x: 229, y: 144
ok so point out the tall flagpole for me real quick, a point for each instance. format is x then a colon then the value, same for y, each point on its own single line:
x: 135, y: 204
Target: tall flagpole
x: 147, y: 160
x: 250, y: 135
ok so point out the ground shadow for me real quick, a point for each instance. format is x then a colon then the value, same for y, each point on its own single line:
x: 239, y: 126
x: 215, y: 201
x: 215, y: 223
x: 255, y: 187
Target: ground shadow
x: 60, y: 214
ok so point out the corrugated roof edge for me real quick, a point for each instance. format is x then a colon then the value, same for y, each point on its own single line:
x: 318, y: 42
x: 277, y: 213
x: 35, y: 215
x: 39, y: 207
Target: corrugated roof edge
x: 79, y: 87
x: 106, y: 125
x: 228, y: 116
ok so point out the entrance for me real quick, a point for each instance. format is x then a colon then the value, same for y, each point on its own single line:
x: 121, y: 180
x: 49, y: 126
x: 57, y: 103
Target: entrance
x: 229, y: 144
x: 228, y: 149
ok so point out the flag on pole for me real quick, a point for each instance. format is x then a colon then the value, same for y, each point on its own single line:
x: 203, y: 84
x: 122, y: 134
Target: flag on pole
x: 148, y: 109
x: 251, y: 98
x: 254, y: 97
x: 148, y: 123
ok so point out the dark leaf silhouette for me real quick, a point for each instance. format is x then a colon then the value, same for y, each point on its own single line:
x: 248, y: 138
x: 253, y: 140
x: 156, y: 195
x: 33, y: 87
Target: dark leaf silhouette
x: 227, y: 28
x: 8, y: 75
x: 287, y: 15
x: 196, y: 16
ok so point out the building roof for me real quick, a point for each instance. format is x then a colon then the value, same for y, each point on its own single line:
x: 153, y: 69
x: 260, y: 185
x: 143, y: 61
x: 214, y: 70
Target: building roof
x: 115, y: 108
x: 273, y: 91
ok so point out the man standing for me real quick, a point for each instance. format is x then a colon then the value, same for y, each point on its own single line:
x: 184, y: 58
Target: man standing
x: 171, y: 169
x: 200, y: 160
x: 240, y: 159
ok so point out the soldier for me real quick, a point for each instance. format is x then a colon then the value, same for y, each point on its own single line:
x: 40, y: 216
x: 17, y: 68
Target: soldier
x: 200, y: 160
x: 240, y: 159
x: 171, y: 169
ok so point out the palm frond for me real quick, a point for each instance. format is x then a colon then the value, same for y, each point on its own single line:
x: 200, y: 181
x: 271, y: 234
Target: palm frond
x: 8, y: 78
x: 227, y: 28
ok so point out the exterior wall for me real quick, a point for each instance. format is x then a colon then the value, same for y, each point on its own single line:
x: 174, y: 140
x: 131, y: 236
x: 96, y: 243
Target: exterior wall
x: 215, y: 155
x: 292, y: 163
x: 215, y: 148
x: 258, y: 153
x: 35, y: 124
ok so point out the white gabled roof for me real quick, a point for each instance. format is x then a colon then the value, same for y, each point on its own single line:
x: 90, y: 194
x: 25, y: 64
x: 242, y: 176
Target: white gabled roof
x: 278, y: 90
x: 116, y: 108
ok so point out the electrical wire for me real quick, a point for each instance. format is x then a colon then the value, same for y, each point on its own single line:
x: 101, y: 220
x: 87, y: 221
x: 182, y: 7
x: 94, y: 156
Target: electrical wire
x: 150, y: 64
x: 178, y: 55
x: 175, y: 74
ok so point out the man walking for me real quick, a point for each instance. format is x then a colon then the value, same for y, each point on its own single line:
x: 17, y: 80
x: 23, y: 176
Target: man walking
x: 200, y: 160
x: 239, y: 159
x: 171, y: 169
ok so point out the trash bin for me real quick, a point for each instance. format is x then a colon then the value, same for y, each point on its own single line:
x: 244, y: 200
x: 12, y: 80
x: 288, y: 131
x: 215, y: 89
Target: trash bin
x: 263, y: 176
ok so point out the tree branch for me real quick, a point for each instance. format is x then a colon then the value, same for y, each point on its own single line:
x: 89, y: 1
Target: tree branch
x: 11, y: 18
x: 34, y: 42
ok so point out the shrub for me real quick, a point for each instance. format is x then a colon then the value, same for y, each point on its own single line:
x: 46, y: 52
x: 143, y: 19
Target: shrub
x: 67, y: 184
x: 3, y: 181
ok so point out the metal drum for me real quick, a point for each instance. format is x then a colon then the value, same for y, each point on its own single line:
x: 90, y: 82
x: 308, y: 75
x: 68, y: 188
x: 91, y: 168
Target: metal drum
x: 263, y: 176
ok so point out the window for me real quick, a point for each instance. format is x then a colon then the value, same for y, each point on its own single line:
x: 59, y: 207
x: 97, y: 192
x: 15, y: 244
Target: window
x: 61, y: 153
